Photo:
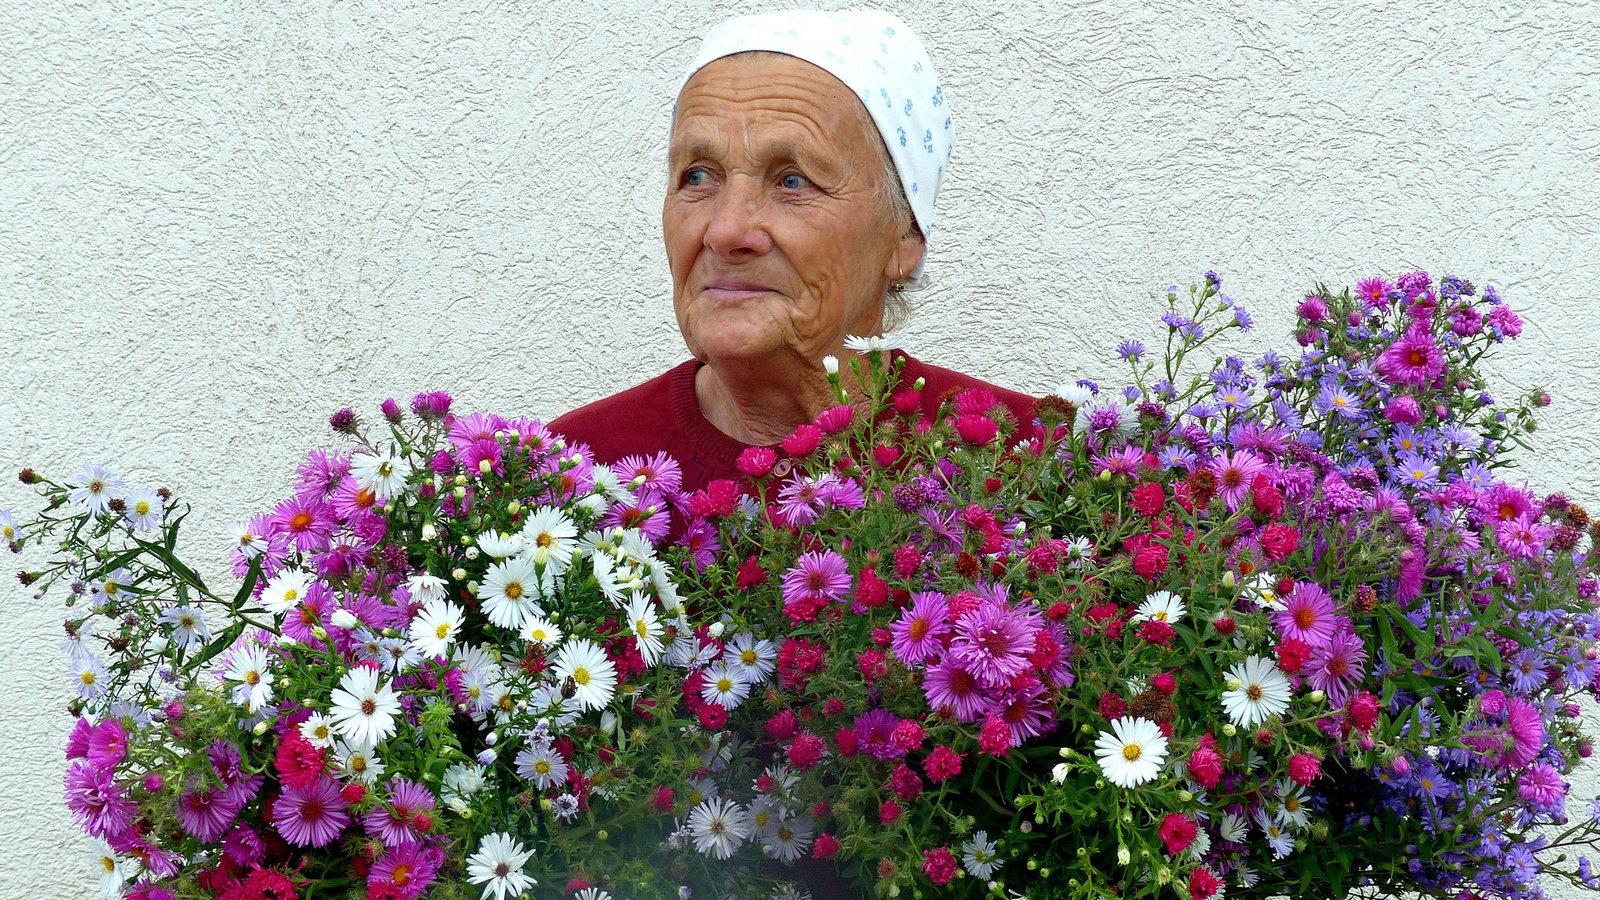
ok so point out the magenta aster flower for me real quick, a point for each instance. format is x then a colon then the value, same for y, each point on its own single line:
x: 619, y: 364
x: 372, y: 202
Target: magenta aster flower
x: 320, y: 474
x: 820, y: 575
x: 350, y: 500
x: 1522, y: 537
x: 875, y: 731
x: 840, y: 493
x: 484, y: 450
x: 305, y: 524
x: 1413, y: 360
x: 920, y: 626
x: 1307, y: 615
x: 206, y: 811
x: 396, y: 822
x: 532, y: 436
x: 1526, y: 732
x: 1027, y: 711
x: 1542, y: 786
x: 312, y: 816
x: 993, y: 642
x: 1372, y: 292
x: 700, y: 539
x: 1338, y: 666
x: 800, y: 500
x: 1235, y: 473
x: 948, y: 686
x: 99, y: 804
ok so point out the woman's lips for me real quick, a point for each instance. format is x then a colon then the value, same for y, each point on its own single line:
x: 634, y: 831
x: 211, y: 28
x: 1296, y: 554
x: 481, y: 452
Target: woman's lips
x: 733, y: 291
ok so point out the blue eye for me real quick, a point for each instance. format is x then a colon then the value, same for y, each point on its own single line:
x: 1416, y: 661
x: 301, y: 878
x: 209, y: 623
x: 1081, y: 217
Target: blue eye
x: 697, y: 178
x: 793, y: 182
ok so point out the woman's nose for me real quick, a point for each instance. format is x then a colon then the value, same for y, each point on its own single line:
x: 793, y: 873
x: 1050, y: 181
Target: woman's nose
x: 739, y: 221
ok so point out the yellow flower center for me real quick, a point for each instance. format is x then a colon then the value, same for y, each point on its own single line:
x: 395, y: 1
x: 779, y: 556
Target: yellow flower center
x: 514, y: 590
x: 442, y: 631
x: 581, y: 676
x: 1131, y: 752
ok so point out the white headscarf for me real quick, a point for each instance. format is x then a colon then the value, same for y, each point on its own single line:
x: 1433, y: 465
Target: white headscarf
x: 879, y: 58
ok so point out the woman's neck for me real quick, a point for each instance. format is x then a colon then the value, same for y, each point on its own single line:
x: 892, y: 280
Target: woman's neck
x: 762, y: 403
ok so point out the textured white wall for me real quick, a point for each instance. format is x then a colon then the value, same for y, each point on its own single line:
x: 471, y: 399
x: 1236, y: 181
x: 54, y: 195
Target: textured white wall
x: 220, y: 221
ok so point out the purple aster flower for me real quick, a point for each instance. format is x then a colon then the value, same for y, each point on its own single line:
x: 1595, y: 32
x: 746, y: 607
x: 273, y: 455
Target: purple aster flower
x: 655, y: 526
x: 244, y: 846
x: 320, y: 474
x: 949, y: 686
x: 1416, y: 471
x: 394, y: 822
x: 1307, y: 615
x: 1413, y: 360
x: 431, y: 405
x: 917, y: 632
x: 411, y: 868
x: 206, y: 811
x: 875, y: 731
x: 1130, y: 350
x: 1123, y: 461
x: 483, y: 450
x: 1523, y: 537
x: 1027, y: 711
x: 700, y: 539
x: 1338, y: 666
x: 1175, y: 456
x: 99, y: 804
x: 820, y: 575
x: 1235, y: 473
x: 1526, y: 671
x: 993, y: 641
x: 311, y: 816
x: 1333, y: 399
x: 840, y: 493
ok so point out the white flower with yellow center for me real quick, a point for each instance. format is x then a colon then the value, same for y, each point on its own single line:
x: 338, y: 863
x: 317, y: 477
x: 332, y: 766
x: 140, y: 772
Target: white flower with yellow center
x: 251, y: 668
x: 1132, y: 752
x: 542, y: 765
x: 114, y: 871
x: 1256, y: 691
x: 318, y: 730
x: 360, y: 763
x: 646, y: 627
x: 1162, y: 606
x: 9, y: 531
x: 539, y: 630
x: 979, y: 855
x: 551, y: 538
x: 718, y: 827
x: 93, y: 489
x: 500, y: 545
x: 510, y: 592
x: 383, y: 473
x: 498, y: 866
x: 188, y: 626
x: 426, y: 588
x: 285, y: 591
x: 435, y: 628
x: 592, y: 674
x: 756, y: 658
x: 246, y: 541
x: 724, y: 685
x: 142, y: 510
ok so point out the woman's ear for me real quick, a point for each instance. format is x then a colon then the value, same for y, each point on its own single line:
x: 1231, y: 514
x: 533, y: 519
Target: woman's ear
x: 907, y: 254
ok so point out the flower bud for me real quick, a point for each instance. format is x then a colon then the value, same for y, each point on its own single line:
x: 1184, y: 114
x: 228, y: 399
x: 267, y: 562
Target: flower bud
x: 458, y: 574
x: 831, y: 364
x: 1060, y: 772
x: 1228, y: 580
x: 1123, y: 856
x: 514, y: 507
x: 716, y: 629
x: 1228, y: 730
x: 320, y: 633
x: 429, y: 532
x: 459, y: 493
x: 1316, y: 696
x: 261, y: 727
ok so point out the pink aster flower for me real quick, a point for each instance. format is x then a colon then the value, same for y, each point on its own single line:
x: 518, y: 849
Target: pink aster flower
x: 1307, y: 614
x: 1372, y: 292
x: 406, y: 817
x: 820, y: 575
x: 1235, y: 474
x: 1413, y: 360
x: 476, y: 427
x: 206, y: 811
x: 320, y: 474
x: 1027, y: 712
x: 312, y: 816
x: 1339, y: 665
x: 1541, y: 785
x: 1526, y: 732
x: 310, y: 613
x: 532, y: 435
x: 700, y: 539
x: 919, y: 628
x: 949, y: 686
x: 875, y: 732
x: 661, y: 473
x: 1522, y: 537
x: 107, y: 743
x: 411, y: 868
x: 304, y: 524
x: 994, y: 641
x: 484, y: 450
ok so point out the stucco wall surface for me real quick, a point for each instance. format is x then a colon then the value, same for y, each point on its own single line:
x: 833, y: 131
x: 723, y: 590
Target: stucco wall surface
x: 220, y: 221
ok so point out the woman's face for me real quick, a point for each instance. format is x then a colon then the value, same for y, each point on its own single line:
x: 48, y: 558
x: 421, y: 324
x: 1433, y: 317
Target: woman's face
x: 776, y: 226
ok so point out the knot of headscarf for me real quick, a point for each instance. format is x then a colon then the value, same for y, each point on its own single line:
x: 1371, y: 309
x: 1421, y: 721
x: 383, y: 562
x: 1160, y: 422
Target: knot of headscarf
x: 878, y: 57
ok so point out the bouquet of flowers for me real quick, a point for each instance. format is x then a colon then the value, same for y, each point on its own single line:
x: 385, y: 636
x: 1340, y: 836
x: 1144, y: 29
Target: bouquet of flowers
x: 1279, y: 627
x: 1274, y: 629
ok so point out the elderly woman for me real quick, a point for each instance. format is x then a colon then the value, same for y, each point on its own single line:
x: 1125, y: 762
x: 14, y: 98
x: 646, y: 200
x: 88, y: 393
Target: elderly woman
x: 806, y: 152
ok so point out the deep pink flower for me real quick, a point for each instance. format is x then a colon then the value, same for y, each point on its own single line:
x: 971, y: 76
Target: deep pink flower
x: 806, y: 751
x: 305, y: 524
x: 1234, y: 474
x: 756, y: 461
x: 108, y: 744
x: 99, y: 804
x: 819, y: 575
x: 411, y: 868
x: 939, y: 864
x: 1205, y: 767
x: 949, y: 686
x: 1307, y: 615
x: 1403, y: 409
x: 995, y: 737
x: 1414, y: 360
x: 942, y: 764
x: 476, y: 427
x: 978, y: 430
x: 835, y: 419
x: 905, y: 783
x: 661, y: 473
x: 802, y: 441
x: 1304, y: 769
x: 1177, y: 832
x: 1542, y: 785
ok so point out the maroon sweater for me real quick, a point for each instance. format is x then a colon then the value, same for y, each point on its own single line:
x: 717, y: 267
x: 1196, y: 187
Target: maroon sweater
x: 663, y: 415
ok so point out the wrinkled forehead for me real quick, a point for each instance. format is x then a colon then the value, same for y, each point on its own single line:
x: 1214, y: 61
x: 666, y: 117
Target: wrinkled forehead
x: 768, y: 98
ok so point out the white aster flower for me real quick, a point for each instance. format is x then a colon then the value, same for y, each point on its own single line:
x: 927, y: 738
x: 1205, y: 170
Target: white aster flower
x: 318, y: 730
x: 551, y: 538
x: 251, y: 668
x: 979, y: 856
x: 382, y: 473
x: 188, y: 626
x: 246, y: 541
x: 756, y: 658
x: 787, y: 839
x: 592, y: 893
x: 871, y: 343
x: 646, y: 627
x: 142, y: 509
x: 114, y: 871
x: 1262, y: 588
x: 539, y: 630
x: 364, y: 710
x: 108, y: 591
x: 426, y: 588
x: 718, y: 828
x: 609, y: 486
x: 93, y: 489
x: 724, y: 685
x: 285, y: 591
x: 461, y: 781
x: 1163, y: 606
x: 1246, y: 875
x: 498, y: 866
x: 509, y: 592
x: 359, y: 763
x: 89, y: 676
x: 542, y: 765
x: 398, y: 655
x: 435, y: 628
x: 501, y: 546
x: 1256, y: 692
x: 1131, y: 753
x: 10, y: 531
x: 1273, y: 829
x: 344, y: 618
x: 586, y: 664
x: 1292, y: 804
